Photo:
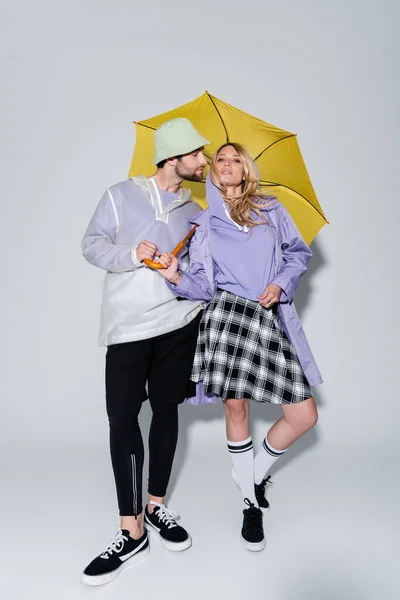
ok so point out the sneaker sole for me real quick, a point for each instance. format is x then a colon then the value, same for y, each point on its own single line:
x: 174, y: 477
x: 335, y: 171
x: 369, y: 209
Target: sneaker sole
x: 253, y: 547
x: 96, y: 580
x: 172, y: 546
x: 263, y: 510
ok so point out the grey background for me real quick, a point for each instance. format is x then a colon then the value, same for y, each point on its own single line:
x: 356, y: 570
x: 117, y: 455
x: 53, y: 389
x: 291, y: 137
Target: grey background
x: 75, y: 75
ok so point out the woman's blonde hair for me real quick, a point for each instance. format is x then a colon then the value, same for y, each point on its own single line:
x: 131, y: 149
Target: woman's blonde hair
x: 251, y: 199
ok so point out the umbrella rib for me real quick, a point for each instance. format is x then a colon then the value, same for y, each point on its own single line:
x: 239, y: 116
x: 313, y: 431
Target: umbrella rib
x: 148, y: 126
x: 271, y: 183
x: 276, y: 142
x: 219, y: 114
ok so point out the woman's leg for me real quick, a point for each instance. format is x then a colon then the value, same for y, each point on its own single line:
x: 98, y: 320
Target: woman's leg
x: 240, y: 445
x: 241, y: 450
x: 296, y: 420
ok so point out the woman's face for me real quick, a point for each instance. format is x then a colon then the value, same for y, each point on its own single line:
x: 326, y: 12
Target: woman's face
x: 230, y: 166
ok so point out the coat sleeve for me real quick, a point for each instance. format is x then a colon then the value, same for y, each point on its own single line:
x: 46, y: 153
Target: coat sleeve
x: 295, y: 256
x: 98, y: 244
x: 194, y: 284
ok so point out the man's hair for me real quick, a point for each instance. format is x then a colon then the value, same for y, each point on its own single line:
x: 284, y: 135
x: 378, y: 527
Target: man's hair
x: 161, y: 164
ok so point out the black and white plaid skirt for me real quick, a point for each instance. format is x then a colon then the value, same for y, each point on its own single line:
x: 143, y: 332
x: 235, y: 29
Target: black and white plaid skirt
x: 243, y: 352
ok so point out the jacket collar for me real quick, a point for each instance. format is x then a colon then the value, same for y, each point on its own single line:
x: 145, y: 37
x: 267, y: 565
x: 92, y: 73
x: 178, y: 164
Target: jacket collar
x: 152, y: 192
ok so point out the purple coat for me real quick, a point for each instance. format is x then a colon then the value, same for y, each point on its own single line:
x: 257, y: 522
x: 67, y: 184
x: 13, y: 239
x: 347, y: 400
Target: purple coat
x: 291, y: 259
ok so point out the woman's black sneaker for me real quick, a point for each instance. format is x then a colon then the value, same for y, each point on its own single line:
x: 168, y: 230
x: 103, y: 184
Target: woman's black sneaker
x: 252, y: 531
x: 161, y: 523
x: 260, y: 494
x: 259, y: 491
x: 123, y: 552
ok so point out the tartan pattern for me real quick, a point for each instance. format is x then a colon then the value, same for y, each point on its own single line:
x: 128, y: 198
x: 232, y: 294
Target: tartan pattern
x: 243, y: 352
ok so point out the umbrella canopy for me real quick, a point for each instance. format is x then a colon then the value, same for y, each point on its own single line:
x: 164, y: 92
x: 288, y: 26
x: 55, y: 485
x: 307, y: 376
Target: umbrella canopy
x: 276, y: 153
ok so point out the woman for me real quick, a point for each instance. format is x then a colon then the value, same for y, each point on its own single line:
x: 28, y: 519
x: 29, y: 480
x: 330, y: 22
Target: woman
x: 247, y: 258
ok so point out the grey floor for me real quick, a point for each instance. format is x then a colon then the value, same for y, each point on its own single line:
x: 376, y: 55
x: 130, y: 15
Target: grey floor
x: 331, y: 532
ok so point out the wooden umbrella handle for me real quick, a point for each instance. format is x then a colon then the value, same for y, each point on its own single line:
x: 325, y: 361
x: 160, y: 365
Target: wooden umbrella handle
x: 157, y: 265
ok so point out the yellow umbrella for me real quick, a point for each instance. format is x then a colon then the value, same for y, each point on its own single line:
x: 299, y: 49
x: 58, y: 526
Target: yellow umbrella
x: 276, y: 153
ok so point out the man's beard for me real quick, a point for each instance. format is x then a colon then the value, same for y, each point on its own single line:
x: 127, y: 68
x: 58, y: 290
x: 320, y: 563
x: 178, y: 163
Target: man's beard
x: 188, y: 174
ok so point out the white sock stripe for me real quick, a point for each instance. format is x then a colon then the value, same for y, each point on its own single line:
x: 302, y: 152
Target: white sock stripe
x: 241, y: 448
x: 241, y: 443
x: 272, y: 451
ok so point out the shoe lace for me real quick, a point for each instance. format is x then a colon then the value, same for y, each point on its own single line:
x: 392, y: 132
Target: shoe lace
x: 261, y: 486
x: 167, y: 516
x: 253, y: 514
x: 116, y: 545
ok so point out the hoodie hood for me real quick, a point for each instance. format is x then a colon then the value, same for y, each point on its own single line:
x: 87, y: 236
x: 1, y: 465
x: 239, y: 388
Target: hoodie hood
x: 219, y: 210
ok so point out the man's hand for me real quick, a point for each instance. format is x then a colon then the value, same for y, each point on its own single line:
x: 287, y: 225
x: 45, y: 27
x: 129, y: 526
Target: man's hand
x: 146, y: 250
x: 270, y: 296
x: 170, y: 271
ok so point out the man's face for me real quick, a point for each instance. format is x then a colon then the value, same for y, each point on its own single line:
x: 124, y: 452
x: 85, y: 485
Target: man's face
x: 191, y: 166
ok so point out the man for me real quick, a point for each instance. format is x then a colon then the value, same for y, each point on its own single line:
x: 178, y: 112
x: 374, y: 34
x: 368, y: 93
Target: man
x: 151, y: 338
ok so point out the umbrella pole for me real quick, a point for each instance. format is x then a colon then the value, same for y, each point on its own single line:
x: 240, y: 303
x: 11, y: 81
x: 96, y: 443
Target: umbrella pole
x: 157, y: 265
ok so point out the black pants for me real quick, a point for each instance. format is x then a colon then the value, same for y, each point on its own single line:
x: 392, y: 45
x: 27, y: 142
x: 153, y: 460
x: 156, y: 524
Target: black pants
x: 164, y: 363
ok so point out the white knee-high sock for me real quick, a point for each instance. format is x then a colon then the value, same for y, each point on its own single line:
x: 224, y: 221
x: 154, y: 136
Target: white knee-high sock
x: 243, y: 463
x: 264, y: 459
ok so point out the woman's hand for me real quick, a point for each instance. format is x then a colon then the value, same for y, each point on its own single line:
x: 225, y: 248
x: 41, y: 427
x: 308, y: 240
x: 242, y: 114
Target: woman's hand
x: 270, y: 296
x: 170, y: 271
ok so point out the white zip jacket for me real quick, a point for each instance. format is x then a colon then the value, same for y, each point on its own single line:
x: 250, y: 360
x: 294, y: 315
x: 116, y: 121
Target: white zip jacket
x: 136, y: 302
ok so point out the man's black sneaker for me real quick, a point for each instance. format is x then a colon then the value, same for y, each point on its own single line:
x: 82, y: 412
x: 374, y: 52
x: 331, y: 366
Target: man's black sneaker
x: 260, y: 494
x: 259, y: 491
x: 252, y: 531
x: 123, y: 552
x: 161, y: 522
